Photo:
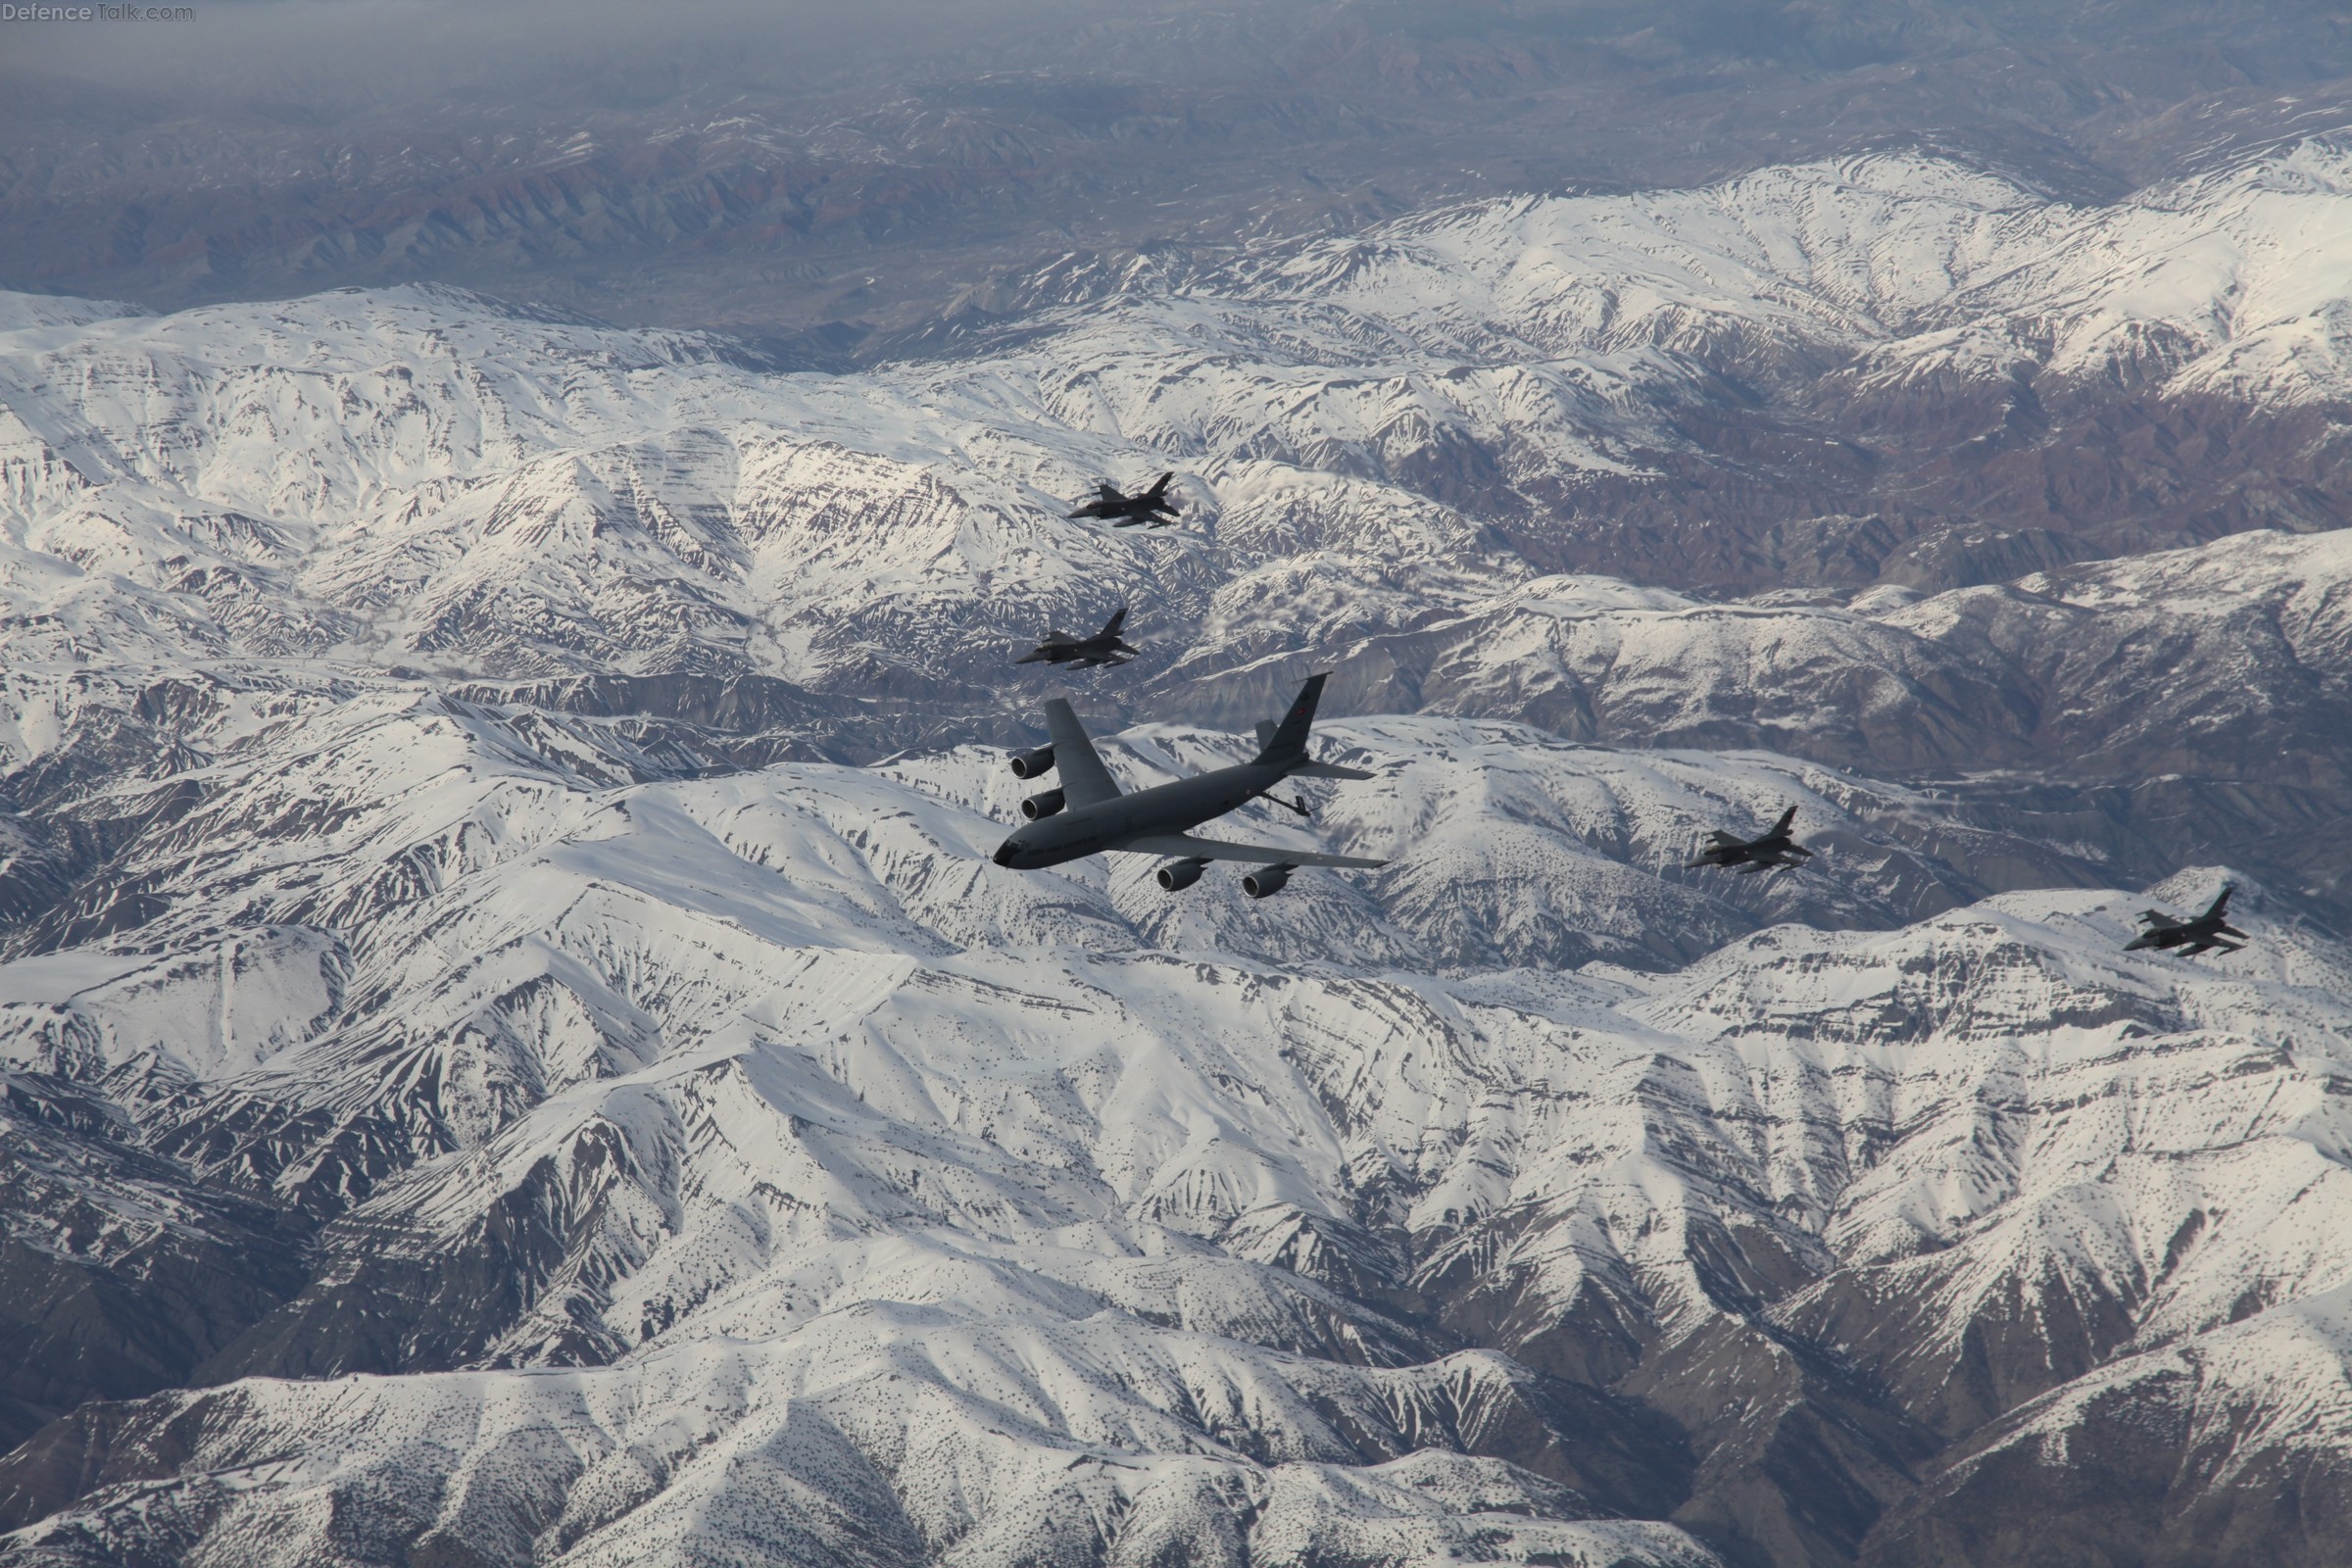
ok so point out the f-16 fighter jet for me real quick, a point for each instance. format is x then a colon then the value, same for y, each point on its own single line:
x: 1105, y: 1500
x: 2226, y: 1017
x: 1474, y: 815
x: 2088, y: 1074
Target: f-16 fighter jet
x: 1088, y: 814
x: 1085, y: 653
x: 1151, y: 506
x: 2192, y: 937
x: 1770, y: 852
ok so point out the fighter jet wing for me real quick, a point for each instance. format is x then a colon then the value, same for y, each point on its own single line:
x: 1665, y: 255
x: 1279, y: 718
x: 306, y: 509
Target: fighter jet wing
x: 1085, y: 781
x: 2206, y: 945
x: 1727, y: 840
x: 1189, y: 846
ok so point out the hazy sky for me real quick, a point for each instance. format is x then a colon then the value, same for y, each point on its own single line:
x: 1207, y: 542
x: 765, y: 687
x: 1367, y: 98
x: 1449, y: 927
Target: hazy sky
x: 318, y: 49
x: 813, y: 162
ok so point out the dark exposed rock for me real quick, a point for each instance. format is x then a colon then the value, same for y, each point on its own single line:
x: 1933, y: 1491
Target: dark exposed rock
x: 2131, y: 1488
x: 103, y: 1444
x: 120, y: 1272
x: 1798, y: 1460
x: 2044, y: 1332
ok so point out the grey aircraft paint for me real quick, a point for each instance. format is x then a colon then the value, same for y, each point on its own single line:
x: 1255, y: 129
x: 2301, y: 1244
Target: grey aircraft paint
x: 1105, y: 647
x: 1772, y: 849
x: 1122, y: 510
x: 2203, y: 933
x: 1097, y: 818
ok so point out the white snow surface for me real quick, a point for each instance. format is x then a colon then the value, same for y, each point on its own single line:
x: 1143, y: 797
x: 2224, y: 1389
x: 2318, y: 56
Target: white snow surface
x: 915, y: 1209
x: 419, y: 476
x: 904, y: 1209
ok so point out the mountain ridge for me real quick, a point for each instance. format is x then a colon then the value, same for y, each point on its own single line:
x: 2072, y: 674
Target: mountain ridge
x: 519, y: 1050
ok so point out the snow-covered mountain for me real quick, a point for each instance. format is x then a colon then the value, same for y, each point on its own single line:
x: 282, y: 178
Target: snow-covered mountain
x: 890, y: 1204
x: 1380, y: 445
x: 1366, y: 429
x: 515, y: 1050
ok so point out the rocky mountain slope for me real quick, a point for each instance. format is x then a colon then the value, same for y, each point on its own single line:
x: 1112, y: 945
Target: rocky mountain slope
x: 1386, y: 448
x: 1538, y: 381
x: 890, y: 1204
x: 513, y: 1050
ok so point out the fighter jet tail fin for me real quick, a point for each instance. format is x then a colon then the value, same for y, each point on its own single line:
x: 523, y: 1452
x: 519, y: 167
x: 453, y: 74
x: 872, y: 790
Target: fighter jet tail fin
x: 1085, y: 781
x: 1288, y: 741
x: 1787, y: 819
x: 1118, y: 619
x: 1160, y: 486
x: 2221, y: 903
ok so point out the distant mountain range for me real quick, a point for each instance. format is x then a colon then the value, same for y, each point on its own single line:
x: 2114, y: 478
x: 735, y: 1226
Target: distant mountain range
x: 513, y: 1050
x: 827, y: 181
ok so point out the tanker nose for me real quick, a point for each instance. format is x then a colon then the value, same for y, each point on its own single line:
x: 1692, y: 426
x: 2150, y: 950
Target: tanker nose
x: 1005, y: 852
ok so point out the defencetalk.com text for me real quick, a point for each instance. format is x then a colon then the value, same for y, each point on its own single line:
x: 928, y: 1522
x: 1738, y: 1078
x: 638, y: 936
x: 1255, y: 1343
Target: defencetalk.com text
x: 9, y: 13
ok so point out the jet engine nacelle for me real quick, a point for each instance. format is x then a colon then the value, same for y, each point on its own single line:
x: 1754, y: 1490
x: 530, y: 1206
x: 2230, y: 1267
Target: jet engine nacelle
x: 1177, y: 875
x: 1266, y: 881
x: 1029, y: 764
x: 1046, y: 805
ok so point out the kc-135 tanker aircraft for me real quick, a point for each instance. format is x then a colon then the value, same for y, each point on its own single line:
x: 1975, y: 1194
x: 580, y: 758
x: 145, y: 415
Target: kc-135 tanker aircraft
x: 1089, y: 816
